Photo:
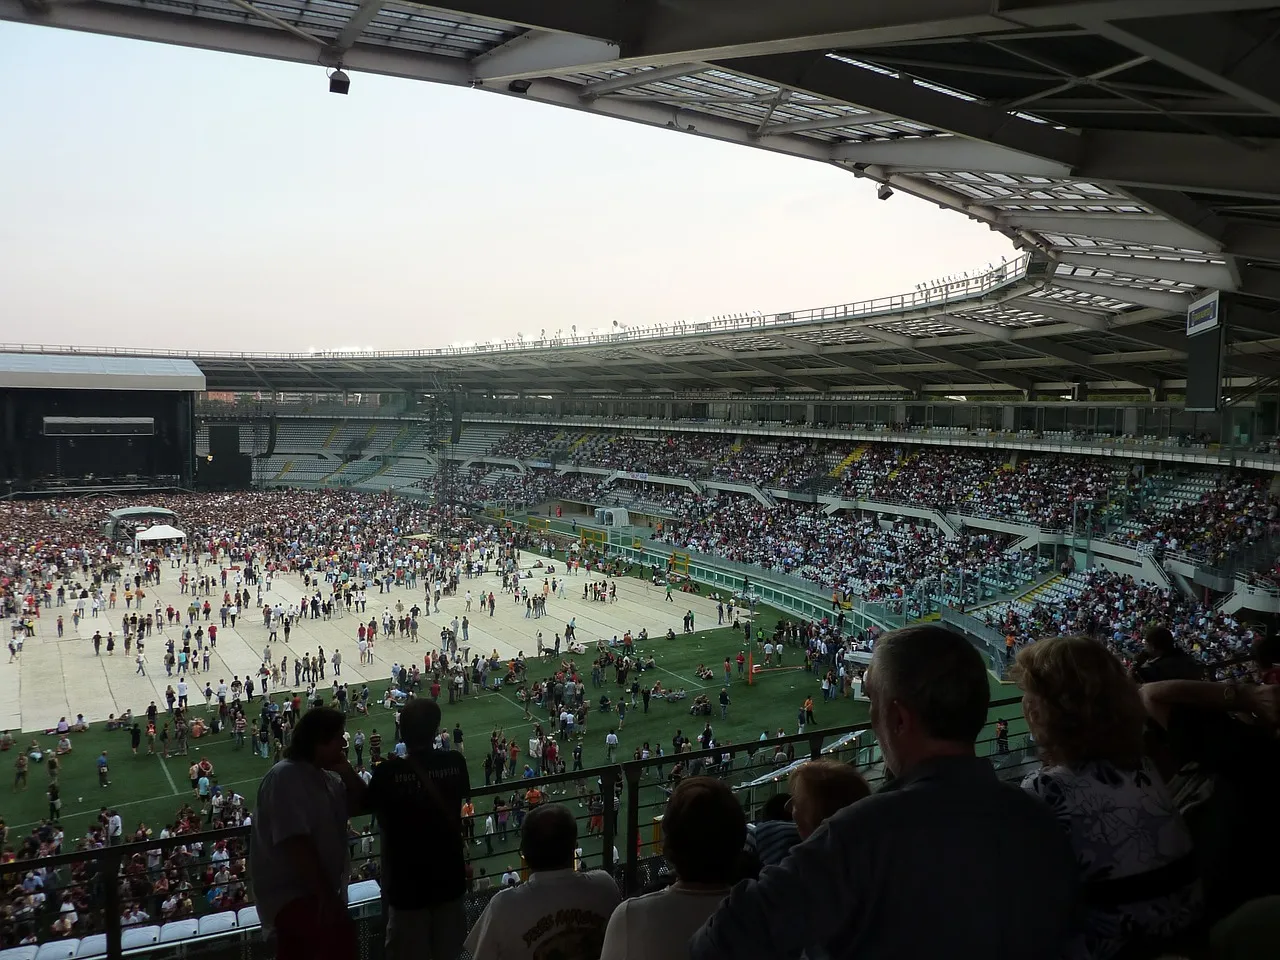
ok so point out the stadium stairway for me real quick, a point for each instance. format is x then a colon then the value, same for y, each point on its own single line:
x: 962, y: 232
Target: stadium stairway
x: 839, y: 469
x: 333, y: 434
x: 1037, y: 591
x: 402, y: 437
x: 1003, y: 468
x: 579, y: 442
x: 901, y: 465
x: 283, y: 470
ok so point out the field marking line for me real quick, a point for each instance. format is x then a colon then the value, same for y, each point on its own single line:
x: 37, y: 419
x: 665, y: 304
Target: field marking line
x: 167, y: 775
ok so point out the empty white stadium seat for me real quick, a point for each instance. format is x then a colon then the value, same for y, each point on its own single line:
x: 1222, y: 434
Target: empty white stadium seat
x: 58, y: 950
x: 94, y: 945
x: 248, y: 917
x: 179, y: 930
x: 131, y: 938
x: 219, y: 922
x: 19, y: 953
x: 363, y: 892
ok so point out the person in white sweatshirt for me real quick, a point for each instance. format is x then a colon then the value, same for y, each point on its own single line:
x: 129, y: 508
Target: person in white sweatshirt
x: 703, y: 833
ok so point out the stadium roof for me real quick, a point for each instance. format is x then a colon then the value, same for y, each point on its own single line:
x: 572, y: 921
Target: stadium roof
x: 80, y: 371
x: 1137, y: 156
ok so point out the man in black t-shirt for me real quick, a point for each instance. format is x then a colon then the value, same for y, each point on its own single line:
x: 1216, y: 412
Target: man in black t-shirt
x: 1162, y: 659
x: 418, y: 803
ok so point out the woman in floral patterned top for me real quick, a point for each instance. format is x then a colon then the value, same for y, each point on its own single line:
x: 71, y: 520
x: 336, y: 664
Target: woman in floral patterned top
x: 1134, y: 851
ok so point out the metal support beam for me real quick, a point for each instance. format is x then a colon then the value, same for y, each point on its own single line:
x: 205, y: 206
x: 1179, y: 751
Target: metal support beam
x: 1015, y: 380
x: 1146, y: 229
x: 1181, y: 161
x: 1208, y: 275
x: 886, y: 336
x: 713, y: 29
x: 764, y: 366
x: 1235, y: 56
x: 1253, y: 240
x: 360, y: 18
x: 846, y: 362
x: 828, y: 123
x: 1246, y: 317
x: 835, y: 79
x: 993, y: 330
x: 1157, y: 300
x: 1064, y: 314
x: 535, y: 54
x: 603, y: 19
x: 1088, y: 361
x: 1260, y: 282
x: 949, y: 154
x: 641, y: 77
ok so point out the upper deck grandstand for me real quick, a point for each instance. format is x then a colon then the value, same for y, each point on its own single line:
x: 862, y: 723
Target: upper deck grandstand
x: 1070, y: 457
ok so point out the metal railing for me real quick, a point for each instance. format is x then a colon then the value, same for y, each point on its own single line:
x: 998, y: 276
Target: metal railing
x: 621, y: 801
x: 938, y: 294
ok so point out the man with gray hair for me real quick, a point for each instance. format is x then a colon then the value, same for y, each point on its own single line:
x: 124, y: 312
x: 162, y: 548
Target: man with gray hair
x: 944, y: 860
x: 418, y: 802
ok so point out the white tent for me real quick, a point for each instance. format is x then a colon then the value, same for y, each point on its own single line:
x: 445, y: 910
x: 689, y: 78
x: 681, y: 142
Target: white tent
x: 161, y: 531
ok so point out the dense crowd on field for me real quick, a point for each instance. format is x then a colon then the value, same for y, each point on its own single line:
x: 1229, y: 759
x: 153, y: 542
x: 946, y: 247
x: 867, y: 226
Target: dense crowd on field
x: 1154, y: 635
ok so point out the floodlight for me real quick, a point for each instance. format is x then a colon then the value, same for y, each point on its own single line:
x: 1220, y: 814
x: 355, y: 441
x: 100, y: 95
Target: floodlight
x: 885, y: 192
x: 339, y: 82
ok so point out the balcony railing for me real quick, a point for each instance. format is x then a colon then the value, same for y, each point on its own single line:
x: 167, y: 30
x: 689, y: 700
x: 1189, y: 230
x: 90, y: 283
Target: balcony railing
x: 620, y: 802
x: 941, y: 294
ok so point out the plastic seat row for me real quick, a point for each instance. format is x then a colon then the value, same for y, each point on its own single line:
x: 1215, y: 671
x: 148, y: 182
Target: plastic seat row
x: 359, y: 895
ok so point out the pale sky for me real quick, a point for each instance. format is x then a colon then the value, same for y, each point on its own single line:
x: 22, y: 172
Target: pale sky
x: 155, y: 196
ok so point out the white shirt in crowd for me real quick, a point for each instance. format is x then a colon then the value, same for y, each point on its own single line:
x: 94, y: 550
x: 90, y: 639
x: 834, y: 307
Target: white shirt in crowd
x: 659, y: 925
x: 557, y: 913
x: 297, y: 799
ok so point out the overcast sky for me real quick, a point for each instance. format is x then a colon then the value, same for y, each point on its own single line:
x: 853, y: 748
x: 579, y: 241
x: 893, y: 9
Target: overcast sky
x: 158, y: 196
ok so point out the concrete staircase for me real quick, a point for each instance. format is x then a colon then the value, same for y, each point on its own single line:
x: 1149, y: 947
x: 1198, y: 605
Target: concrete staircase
x: 839, y: 469
x: 283, y: 470
x: 901, y: 464
x: 1038, y: 591
x: 333, y: 434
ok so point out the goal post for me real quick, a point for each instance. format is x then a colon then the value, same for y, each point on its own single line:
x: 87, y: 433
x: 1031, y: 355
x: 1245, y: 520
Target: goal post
x: 539, y: 524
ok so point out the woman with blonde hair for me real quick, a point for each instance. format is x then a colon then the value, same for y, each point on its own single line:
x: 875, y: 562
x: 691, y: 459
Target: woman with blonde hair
x: 820, y: 789
x: 1134, y: 852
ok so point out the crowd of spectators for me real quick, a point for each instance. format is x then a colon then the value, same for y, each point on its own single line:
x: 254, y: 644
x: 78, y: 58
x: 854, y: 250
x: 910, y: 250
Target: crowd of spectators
x: 1041, y: 491
x: 672, y: 455
x: 890, y: 558
x: 1240, y: 510
x: 1116, y: 609
x: 165, y: 877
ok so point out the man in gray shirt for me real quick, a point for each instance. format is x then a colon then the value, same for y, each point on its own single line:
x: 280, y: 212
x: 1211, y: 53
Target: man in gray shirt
x: 943, y: 861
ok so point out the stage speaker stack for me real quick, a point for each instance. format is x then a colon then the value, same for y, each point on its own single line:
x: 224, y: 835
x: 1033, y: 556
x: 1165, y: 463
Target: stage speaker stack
x: 224, y: 467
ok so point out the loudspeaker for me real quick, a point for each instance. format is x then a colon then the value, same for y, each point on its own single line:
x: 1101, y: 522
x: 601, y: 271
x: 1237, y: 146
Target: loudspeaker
x: 224, y: 439
x: 226, y: 472
x: 456, y: 406
x: 273, y: 430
